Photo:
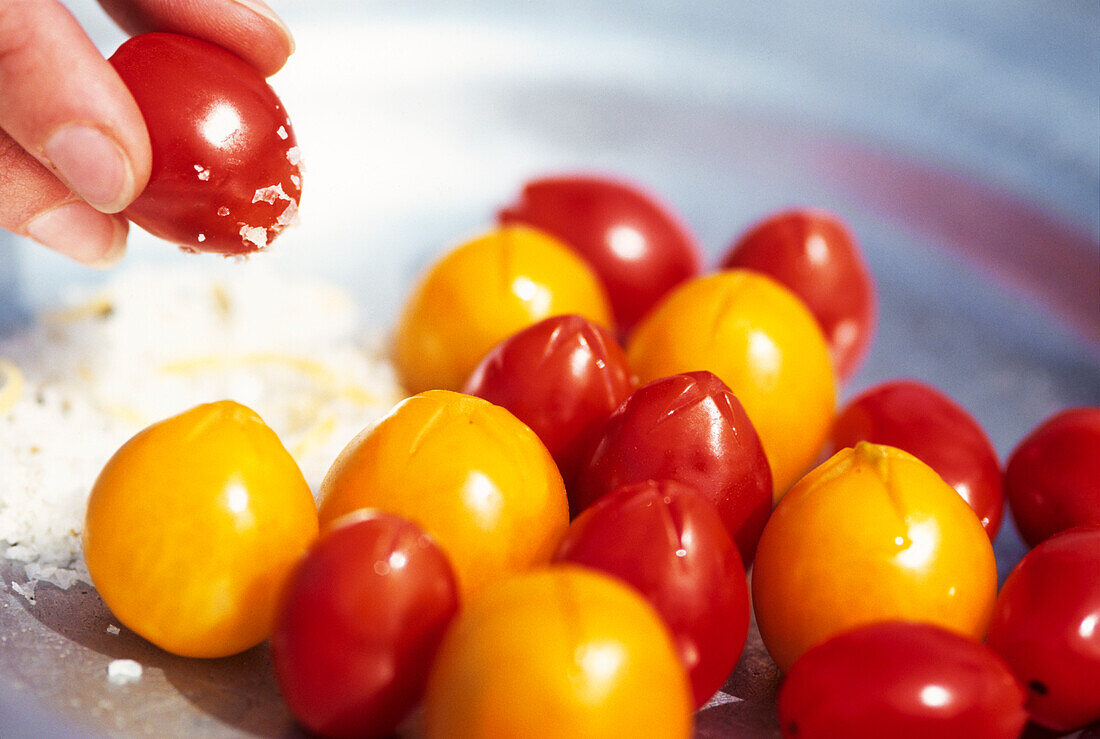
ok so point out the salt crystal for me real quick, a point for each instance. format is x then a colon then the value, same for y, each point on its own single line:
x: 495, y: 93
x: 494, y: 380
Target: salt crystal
x: 282, y: 133
x: 59, y: 576
x: 294, y: 155
x: 223, y: 211
x: 296, y: 180
x: 288, y: 217
x: 270, y: 194
x: 26, y: 590
x: 123, y: 671
x: 113, y: 630
x: 204, y: 175
x: 254, y: 234
x: 202, y: 238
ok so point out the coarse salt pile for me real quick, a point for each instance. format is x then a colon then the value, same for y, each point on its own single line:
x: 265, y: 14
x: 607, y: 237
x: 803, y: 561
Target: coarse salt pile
x: 152, y: 343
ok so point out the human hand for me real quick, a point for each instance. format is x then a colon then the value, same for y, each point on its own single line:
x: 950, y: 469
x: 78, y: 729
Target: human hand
x: 74, y: 150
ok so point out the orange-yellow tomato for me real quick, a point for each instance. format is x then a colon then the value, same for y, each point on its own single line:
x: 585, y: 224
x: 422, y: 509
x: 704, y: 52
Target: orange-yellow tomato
x: 481, y: 293
x: 872, y: 534
x: 192, y: 528
x: 561, y: 652
x: 467, y: 471
x: 766, y: 346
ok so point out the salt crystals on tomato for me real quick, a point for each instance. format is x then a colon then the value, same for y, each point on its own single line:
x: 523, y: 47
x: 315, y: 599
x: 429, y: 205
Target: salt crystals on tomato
x: 226, y: 175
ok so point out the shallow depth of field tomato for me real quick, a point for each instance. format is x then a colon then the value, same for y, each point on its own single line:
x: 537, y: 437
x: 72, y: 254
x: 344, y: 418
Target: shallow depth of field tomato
x: 361, y: 620
x: 562, y: 377
x: 668, y: 541
x: 637, y: 245
x: 872, y: 534
x: 689, y: 428
x: 1047, y: 627
x: 1052, y: 479
x: 936, y: 430
x: 226, y: 176
x: 481, y: 293
x: 761, y: 340
x: 560, y: 652
x: 901, y: 679
x: 812, y: 252
x: 192, y: 528
x: 477, y: 479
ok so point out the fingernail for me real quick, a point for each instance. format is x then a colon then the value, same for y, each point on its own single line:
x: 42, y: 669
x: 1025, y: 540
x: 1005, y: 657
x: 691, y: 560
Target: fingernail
x: 81, y: 232
x: 92, y: 164
x: 261, y: 8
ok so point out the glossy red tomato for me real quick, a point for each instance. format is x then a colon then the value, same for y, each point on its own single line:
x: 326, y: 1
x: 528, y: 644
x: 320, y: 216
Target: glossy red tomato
x: 901, y: 679
x: 1046, y: 625
x: 923, y: 421
x: 668, y: 541
x: 562, y: 377
x: 639, y: 248
x: 812, y: 252
x: 226, y: 175
x: 689, y: 428
x: 362, y: 618
x: 1052, y: 479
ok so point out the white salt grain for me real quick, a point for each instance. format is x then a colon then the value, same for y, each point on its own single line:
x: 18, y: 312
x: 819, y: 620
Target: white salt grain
x: 113, y: 630
x: 294, y: 155
x: 123, y: 672
x: 26, y: 590
x: 282, y: 133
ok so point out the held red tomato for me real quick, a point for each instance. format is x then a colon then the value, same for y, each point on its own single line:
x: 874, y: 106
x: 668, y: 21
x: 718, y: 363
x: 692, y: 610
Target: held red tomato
x: 935, y: 429
x: 901, y: 679
x: 669, y: 542
x: 689, y: 428
x: 1052, y: 479
x: 361, y: 621
x: 1046, y: 626
x: 639, y: 248
x: 226, y: 175
x: 562, y: 377
x: 812, y: 252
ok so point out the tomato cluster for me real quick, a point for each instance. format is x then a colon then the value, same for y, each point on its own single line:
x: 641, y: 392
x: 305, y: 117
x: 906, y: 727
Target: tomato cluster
x: 447, y: 572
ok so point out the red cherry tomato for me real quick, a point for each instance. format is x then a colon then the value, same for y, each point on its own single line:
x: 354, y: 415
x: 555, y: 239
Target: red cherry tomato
x: 921, y: 420
x: 562, y: 377
x: 637, y: 246
x: 901, y: 679
x: 1052, y: 479
x: 362, y: 618
x: 226, y: 175
x: 814, y: 254
x: 689, y: 428
x: 668, y: 541
x: 1046, y: 625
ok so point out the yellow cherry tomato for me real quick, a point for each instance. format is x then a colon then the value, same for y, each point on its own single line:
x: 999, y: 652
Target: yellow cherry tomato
x: 467, y: 471
x: 192, y: 527
x: 872, y: 534
x: 481, y: 293
x: 561, y: 652
x: 766, y: 346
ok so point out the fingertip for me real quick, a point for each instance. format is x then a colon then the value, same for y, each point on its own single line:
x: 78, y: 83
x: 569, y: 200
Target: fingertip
x: 264, y: 10
x: 81, y: 232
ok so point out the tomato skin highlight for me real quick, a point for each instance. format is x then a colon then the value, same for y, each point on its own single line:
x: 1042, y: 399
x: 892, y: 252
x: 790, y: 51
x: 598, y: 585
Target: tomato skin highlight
x: 689, y: 428
x: 1046, y: 626
x: 221, y: 141
x: 1052, y: 478
x: 360, y: 624
x: 928, y: 424
x: 901, y: 679
x: 813, y: 252
x: 562, y: 377
x: 564, y: 651
x: 639, y: 248
x: 668, y: 542
x: 192, y: 528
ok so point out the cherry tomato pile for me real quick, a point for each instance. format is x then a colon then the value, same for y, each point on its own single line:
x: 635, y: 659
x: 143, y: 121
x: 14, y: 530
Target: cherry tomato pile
x: 447, y: 574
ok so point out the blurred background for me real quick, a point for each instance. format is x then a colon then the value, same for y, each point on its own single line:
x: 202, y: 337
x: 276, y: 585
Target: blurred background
x: 961, y: 140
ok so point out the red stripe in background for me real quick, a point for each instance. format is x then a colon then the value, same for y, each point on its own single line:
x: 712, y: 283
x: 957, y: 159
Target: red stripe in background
x: 1022, y: 245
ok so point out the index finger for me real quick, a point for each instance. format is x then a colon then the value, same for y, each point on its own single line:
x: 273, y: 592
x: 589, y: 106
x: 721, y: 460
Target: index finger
x: 248, y: 28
